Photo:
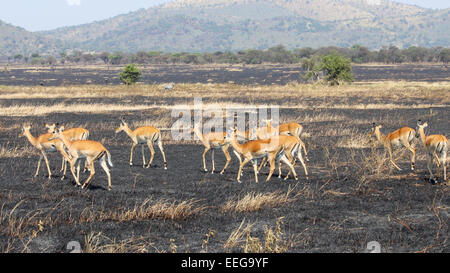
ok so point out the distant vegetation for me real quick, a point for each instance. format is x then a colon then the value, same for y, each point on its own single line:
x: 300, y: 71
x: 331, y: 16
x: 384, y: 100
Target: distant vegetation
x: 277, y: 55
x: 130, y: 74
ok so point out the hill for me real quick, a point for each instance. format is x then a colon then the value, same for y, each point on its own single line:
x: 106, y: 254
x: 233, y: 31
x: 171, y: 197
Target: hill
x: 220, y: 25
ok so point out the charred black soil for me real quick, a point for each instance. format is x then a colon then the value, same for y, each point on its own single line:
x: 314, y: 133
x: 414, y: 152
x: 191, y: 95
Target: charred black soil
x: 350, y: 199
x: 238, y: 74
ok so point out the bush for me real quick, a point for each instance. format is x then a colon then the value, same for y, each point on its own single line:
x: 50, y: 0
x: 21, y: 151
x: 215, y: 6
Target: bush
x: 130, y: 74
x: 337, y: 68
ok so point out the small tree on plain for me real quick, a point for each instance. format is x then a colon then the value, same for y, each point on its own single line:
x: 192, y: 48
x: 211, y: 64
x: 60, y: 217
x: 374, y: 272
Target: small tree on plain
x: 337, y: 68
x: 130, y: 74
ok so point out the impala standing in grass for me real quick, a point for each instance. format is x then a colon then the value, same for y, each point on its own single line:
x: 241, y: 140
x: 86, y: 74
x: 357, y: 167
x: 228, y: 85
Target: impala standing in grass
x: 436, y: 147
x: 91, y: 151
x: 214, y: 140
x: 143, y: 135
x: 72, y: 134
x: 256, y: 149
x: 44, y: 145
x: 402, y: 137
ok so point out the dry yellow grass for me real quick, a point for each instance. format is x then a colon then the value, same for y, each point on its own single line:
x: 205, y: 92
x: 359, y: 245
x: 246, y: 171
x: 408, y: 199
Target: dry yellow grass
x: 255, y: 201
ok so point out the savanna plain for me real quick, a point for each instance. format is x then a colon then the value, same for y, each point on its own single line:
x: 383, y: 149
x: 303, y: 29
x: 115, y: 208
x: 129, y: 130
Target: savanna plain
x: 353, y: 195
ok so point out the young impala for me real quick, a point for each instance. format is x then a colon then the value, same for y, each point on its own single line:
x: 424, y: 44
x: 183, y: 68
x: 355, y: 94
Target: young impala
x: 44, y: 145
x: 214, y: 140
x: 89, y: 150
x: 73, y: 134
x: 401, y: 137
x: 436, y: 147
x: 256, y: 149
x: 143, y: 135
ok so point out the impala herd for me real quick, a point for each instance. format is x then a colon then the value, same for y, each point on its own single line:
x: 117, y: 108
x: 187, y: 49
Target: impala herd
x: 273, y: 145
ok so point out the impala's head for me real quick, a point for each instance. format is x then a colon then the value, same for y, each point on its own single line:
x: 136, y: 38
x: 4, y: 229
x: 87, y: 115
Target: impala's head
x: 375, y: 128
x: 25, y: 128
x: 231, y: 134
x: 52, y: 127
x: 56, y: 132
x: 420, y: 126
x: 122, y: 126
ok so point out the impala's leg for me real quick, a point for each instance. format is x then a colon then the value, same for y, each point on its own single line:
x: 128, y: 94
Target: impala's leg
x: 91, y: 174
x: 413, y: 155
x: 63, y: 164
x: 279, y: 168
x: 72, y: 162
x: 430, y: 167
x: 271, y: 160
x: 389, y: 149
x: 263, y: 162
x: 228, y: 157
x: 78, y: 168
x: 241, y: 166
x: 133, y: 146
x: 285, y: 160
x: 65, y: 168
x: 39, y: 165
x: 204, y: 160
x: 161, y: 148
x: 106, y: 169
x: 152, y: 152
x: 239, y: 158
x: 444, y: 163
x: 255, y: 169
x: 291, y: 159
x: 48, y: 166
x: 143, y: 156
x: 299, y: 155
x: 212, y: 159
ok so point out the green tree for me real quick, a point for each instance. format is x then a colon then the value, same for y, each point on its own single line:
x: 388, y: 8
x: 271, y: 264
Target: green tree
x: 130, y: 74
x: 337, y: 68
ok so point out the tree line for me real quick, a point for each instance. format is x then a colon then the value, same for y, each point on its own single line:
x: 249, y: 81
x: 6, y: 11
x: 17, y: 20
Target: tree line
x: 278, y: 54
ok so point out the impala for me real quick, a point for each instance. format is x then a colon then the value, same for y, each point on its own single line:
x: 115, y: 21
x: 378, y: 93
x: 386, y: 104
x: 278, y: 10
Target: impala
x: 214, y: 140
x: 73, y: 134
x: 256, y: 149
x: 293, y: 146
x: 143, y: 135
x: 44, y: 145
x: 89, y: 150
x: 436, y: 147
x: 401, y: 137
x: 293, y: 129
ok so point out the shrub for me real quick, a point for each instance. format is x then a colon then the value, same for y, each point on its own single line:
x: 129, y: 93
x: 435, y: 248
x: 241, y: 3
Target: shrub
x: 130, y: 74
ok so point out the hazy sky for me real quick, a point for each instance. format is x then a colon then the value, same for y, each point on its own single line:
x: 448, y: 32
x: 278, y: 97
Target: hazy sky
x: 37, y: 15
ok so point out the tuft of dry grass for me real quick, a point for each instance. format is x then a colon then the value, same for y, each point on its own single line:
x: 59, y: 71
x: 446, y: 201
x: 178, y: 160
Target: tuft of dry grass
x: 272, y: 242
x: 255, y: 201
x: 164, y: 210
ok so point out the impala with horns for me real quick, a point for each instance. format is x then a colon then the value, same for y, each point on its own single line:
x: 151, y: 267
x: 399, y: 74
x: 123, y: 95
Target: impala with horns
x: 436, y: 147
x: 145, y: 135
x: 256, y: 149
x: 402, y: 137
x: 213, y: 141
x: 73, y: 134
x: 45, y: 145
x: 89, y: 150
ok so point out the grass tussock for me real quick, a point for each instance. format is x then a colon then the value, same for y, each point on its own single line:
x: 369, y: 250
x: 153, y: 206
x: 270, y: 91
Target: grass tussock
x: 256, y: 201
x: 164, y: 210
x: 272, y: 241
x: 99, y: 243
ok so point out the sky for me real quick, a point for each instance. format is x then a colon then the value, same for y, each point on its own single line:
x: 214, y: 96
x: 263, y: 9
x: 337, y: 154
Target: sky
x: 37, y: 15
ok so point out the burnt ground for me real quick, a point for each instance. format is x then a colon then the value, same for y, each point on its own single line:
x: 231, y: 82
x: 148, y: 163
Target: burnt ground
x: 239, y: 74
x: 345, y: 204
